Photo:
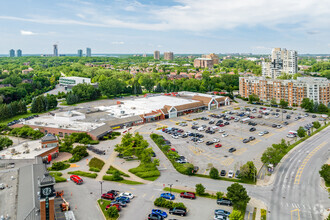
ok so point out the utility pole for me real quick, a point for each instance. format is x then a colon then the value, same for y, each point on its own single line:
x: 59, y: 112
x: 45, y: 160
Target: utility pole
x: 101, y: 186
x: 170, y: 188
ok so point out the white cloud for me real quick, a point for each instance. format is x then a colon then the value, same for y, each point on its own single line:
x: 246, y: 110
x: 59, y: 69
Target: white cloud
x: 28, y: 33
x: 118, y: 42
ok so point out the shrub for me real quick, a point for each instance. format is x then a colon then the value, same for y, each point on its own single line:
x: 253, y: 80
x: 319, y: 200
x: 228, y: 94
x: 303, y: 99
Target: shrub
x: 26, y: 132
x: 316, y: 124
x: 85, y: 174
x: 220, y: 195
x: 112, y: 178
x: 56, y: 166
x: 78, y: 153
x: 96, y: 163
x: 58, y: 176
x: 5, y: 142
x: 200, y: 189
x: 161, y: 202
x: 263, y: 214
x: 111, y: 171
x: 214, y: 173
x: 325, y: 173
x: 113, y: 212
x: 94, y: 142
x: 145, y: 170
x: 94, y: 169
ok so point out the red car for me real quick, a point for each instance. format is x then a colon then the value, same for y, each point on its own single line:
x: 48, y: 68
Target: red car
x: 76, y: 179
x: 115, y: 205
x: 232, y: 118
x: 108, y: 196
x: 188, y: 195
x: 218, y: 145
x: 252, y: 117
x: 221, y: 125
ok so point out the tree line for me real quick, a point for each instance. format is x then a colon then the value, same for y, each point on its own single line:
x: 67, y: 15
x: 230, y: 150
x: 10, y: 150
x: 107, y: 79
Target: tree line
x: 12, y: 109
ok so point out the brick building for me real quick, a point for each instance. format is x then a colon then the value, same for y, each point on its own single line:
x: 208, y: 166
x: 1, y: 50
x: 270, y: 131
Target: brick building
x: 292, y: 91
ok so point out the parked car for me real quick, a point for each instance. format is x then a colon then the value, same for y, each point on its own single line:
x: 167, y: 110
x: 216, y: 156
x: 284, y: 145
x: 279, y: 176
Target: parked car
x: 224, y: 135
x: 123, y: 198
x: 115, y: 205
x: 209, y: 143
x: 122, y: 203
x: 231, y: 150
x: 215, y: 140
x: 127, y: 194
x: 237, y: 173
x: 200, y: 141
x: 188, y: 195
x: 252, y: 129
x: 224, y: 201
x: 274, y: 125
x: 313, y: 116
x: 155, y: 217
x: 261, y: 133
x: 218, y: 146
x: 159, y: 212
x: 223, y: 173
x: 286, y: 123
x: 221, y: 212
x: 169, y: 196
x: 246, y: 140
x: 178, y: 211
x: 252, y: 138
x: 221, y: 131
x: 108, y: 196
x: 220, y: 217
x: 279, y: 126
x: 76, y: 179
x: 230, y: 174
x: 266, y: 132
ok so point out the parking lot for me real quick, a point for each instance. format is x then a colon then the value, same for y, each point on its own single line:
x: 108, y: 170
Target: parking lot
x: 201, y: 153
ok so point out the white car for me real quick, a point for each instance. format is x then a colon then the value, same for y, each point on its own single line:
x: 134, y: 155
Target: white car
x: 279, y: 126
x: 224, y: 135
x: 261, y: 133
x: 195, y: 123
x: 221, y: 131
x: 276, y: 116
x: 262, y: 123
x: 220, y: 217
x: 290, y: 136
x: 201, y: 129
x: 175, y: 136
x: 215, y: 140
x: 200, y: 141
x: 127, y: 194
x: 230, y: 174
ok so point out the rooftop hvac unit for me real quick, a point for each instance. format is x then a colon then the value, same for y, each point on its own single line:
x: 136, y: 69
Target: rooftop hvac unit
x: 133, y: 107
x: 122, y: 112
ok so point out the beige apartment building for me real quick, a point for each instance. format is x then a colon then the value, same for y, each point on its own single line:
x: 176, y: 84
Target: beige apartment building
x: 203, y: 62
x: 292, y: 91
x: 168, y: 56
x: 156, y: 55
x: 213, y: 57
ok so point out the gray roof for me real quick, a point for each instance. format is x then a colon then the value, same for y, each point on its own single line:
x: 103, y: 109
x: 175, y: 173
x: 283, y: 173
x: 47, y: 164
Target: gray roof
x: 48, y: 137
x: 28, y: 189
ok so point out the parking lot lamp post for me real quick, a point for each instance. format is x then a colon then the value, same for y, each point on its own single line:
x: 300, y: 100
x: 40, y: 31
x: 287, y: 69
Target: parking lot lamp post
x: 170, y: 188
x: 101, y: 186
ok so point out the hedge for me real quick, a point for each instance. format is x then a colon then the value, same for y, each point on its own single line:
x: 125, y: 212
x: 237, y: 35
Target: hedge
x: 58, y: 176
x: 161, y: 202
x: 145, y: 171
x: 263, y: 214
x: 85, y: 174
x: 56, y: 166
x: 129, y: 182
x: 112, y: 178
x: 111, y: 170
x: 96, y: 163
x: 94, y: 169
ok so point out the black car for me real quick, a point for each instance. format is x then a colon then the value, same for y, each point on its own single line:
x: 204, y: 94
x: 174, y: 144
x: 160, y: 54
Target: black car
x: 266, y: 132
x: 284, y: 111
x: 184, y: 136
x: 252, y: 138
x: 227, y: 123
x: 288, y: 117
x: 252, y: 129
x: 211, y: 132
x: 286, y: 123
x: 277, y: 110
x: 313, y: 116
x: 211, y: 122
x: 274, y: 125
x: 237, y: 173
x: 155, y: 217
x: 178, y: 211
x: 114, y: 192
x: 246, y: 140
x: 223, y: 173
x: 224, y: 201
x: 231, y: 150
x: 209, y: 143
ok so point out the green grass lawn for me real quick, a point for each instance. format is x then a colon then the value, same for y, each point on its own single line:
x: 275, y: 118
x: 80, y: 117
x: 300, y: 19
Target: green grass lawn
x: 206, y: 195
x: 128, y: 182
x: 111, y: 170
x: 85, y: 174
x: 58, y: 177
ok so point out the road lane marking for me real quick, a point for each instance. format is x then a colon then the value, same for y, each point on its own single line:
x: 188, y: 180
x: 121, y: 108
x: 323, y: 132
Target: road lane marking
x: 152, y: 197
x: 305, y: 161
x: 292, y: 212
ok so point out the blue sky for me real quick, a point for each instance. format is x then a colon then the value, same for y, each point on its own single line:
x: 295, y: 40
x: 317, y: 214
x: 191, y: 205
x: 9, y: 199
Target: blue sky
x: 181, y: 26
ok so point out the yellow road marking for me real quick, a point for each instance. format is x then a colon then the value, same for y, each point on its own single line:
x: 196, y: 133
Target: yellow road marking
x: 144, y: 195
x: 305, y: 161
x: 227, y: 162
x: 254, y: 142
x: 295, y: 210
x: 269, y: 135
x: 240, y: 151
x: 248, y: 216
x: 152, y: 197
x: 204, y: 172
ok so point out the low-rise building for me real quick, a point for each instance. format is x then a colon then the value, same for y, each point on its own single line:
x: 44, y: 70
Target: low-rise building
x: 73, y: 81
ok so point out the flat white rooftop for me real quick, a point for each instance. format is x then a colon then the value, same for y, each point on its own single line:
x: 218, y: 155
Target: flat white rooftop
x: 27, y: 150
x: 143, y: 105
x: 63, y: 122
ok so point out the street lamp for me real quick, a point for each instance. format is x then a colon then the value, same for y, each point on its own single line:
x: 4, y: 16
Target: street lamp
x: 101, y: 186
x: 170, y: 188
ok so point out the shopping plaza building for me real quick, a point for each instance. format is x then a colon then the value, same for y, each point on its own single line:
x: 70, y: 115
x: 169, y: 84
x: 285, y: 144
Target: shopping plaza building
x: 122, y: 113
x: 292, y: 91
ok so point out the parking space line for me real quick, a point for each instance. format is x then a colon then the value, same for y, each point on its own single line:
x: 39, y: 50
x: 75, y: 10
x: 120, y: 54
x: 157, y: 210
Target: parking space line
x: 152, y: 197
x: 254, y: 142
x: 227, y: 162
x: 240, y: 151
x: 144, y: 195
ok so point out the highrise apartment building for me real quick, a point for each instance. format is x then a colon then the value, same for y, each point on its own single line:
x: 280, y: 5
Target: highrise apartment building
x: 80, y: 53
x: 19, y: 53
x: 12, y: 53
x: 292, y: 91
x: 156, y: 55
x: 55, y: 50
x: 168, y: 56
x: 282, y: 61
x: 88, y: 52
x: 203, y: 62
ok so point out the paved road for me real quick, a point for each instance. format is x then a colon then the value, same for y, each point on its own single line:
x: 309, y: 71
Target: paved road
x: 296, y: 192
